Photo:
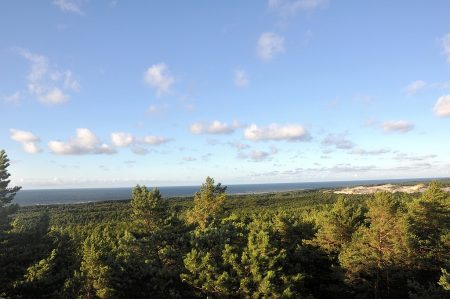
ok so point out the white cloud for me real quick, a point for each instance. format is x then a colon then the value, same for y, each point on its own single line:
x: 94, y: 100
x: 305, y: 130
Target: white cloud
x: 240, y: 78
x: 401, y: 126
x: 276, y: 132
x: 68, y: 6
x: 269, y: 45
x: 338, y: 141
x: 50, y: 86
x: 215, y: 127
x: 291, y: 7
x: 442, y: 106
x: 446, y: 46
x: 85, y: 142
x: 14, y: 98
x: 196, y: 128
x: 120, y: 139
x: 54, y: 97
x: 158, y: 77
x: 415, y: 87
x: 154, y: 140
x: 27, y: 139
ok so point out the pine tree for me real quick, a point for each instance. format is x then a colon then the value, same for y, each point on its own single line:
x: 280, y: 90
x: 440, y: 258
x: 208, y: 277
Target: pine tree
x: 149, y: 209
x: 208, y: 204
x: 6, y: 193
x: 378, y: 250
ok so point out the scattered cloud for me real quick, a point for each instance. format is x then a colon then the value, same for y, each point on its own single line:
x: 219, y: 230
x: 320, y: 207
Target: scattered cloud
x: 442, y: 106
x: 420, y: 85
x: 445, y: 42
x: 415, y: 87
x: 257, y: 155
x: 85, y: 142
x: 137, y: 144
x: 215, y: 127
x: 290, y: 132
x: 159, y: 77
x: 14, y: 98
x: 27, y: 139
x: 363, y: 152
x: 292, y: 7
x: 50, y: 86
x: 238, y: 145
x: 189, y: 159
x: 154, y: 140
x: 269, y: 45
x: 401, y: 126
x: 121, y: 139
x: 413, y: 158
x: 69, y: 6
x: 364, y: 99
x: 240, y: 78
x: 339, y: 141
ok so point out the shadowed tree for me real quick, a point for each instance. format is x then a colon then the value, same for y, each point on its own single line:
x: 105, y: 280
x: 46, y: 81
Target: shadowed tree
x: 6, y: 193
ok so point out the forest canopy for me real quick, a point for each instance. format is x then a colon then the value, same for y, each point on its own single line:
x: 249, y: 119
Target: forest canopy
x: 297, y: 244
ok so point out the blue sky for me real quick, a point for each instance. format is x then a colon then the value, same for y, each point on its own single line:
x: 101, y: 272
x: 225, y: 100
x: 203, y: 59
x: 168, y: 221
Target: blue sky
x: 114, y: 93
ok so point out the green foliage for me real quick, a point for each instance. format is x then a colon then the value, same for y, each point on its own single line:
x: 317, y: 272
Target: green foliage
x: 149, y: 210
x: 208, y: 204
x: 6, y: 193
x: 296, y: 244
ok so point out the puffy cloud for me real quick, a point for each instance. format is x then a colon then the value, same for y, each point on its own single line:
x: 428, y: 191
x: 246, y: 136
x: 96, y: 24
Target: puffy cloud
x: 158, y: 77
x: 53, y: 97
x: 154, y: 140
x: 120, y: 139
x: 276, y: 132
x: 68, y: 6
x: 85, y: 142
x: 292, y: 7
x: 240, y: 78
x: 215, y: 127
x: 50, y: 86
x: 445, y: 41
x: 415, y: 87
x: 442, y: 106
x: 338, y: 141
x: 27, y: 139
x: 137, y: 144
x: 401, y: 126
x: 269, y: 45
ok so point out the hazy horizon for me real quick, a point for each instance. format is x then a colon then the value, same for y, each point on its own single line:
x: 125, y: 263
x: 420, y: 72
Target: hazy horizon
x: 114, y: 93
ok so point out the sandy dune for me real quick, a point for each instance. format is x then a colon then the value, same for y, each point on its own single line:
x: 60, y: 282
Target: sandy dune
x: 387, y: 187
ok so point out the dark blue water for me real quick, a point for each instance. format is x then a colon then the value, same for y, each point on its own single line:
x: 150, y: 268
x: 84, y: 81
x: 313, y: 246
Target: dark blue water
x: 67, y: 196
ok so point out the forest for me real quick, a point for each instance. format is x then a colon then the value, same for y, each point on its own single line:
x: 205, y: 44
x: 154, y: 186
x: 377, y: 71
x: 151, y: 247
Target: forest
x: 297, y: 244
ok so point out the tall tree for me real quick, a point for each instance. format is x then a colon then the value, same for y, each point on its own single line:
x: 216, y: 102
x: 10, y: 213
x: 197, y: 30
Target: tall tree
x: 377, y: 252
x: 6, y: 193
x: 149, y: 209
x: 208, y: 203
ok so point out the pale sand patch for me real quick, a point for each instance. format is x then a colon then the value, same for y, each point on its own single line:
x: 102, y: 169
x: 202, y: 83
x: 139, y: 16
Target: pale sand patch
x: 387, y: 187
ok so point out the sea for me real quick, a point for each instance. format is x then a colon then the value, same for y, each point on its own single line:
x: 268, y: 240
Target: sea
x: 84, y: 195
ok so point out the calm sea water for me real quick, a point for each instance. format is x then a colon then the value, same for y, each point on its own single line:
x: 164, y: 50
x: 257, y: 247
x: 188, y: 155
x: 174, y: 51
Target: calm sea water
x: 68, y: 196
